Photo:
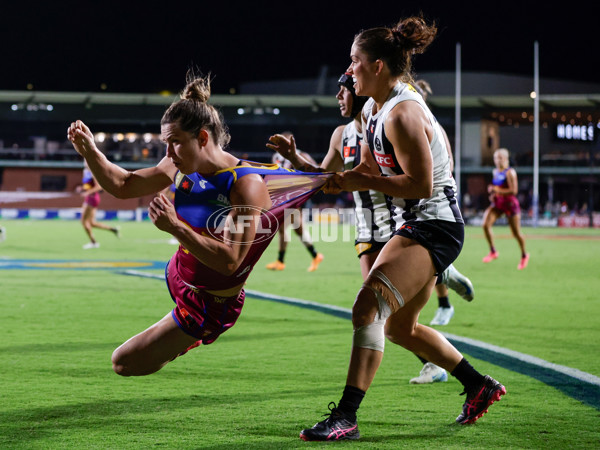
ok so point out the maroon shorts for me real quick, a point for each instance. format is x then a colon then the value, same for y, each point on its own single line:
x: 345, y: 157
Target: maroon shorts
x: 507, y: 204
x: 199, y: 313
x: 92, y: 200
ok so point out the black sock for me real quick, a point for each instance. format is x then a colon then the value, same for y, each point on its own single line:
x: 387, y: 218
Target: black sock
x: 311, y: 250
x: 423, y: 360
x: 281, y: 255
x: 467, y: 375
x: 350, y: 401
x: 493, y: 249
x: 443, y: 302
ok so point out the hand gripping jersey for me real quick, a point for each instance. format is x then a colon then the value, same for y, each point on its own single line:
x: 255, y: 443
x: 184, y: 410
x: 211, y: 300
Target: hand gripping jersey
x: 372, y: 208
x: 204, y: 204
x: 442, y: 203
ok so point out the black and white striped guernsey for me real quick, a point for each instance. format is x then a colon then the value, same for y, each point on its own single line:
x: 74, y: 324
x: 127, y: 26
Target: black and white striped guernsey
x: 442, y: 204
x: 373, y: 209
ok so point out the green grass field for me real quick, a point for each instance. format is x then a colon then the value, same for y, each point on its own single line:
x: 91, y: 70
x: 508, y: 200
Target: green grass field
x: 275, y: 372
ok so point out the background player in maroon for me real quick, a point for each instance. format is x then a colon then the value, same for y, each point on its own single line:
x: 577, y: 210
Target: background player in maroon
x: 503, y: 196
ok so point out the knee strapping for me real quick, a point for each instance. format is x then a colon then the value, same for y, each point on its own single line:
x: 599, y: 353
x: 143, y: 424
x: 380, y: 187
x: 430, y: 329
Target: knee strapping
x: 372, y: 335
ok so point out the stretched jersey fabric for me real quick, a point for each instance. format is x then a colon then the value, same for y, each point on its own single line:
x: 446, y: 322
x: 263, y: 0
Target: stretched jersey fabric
x: 204, y: 204
x: 442, y: 204
x: 373, y: 209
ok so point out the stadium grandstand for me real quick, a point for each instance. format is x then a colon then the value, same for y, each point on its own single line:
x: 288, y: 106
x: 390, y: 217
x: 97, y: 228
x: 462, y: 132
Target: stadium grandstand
x: 40, y: 169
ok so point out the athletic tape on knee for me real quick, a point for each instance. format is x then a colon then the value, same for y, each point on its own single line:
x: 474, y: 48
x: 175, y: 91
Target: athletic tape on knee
x: 372, y: 335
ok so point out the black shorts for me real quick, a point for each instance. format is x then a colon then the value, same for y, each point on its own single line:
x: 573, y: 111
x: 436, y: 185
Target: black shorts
x: 443, y: 239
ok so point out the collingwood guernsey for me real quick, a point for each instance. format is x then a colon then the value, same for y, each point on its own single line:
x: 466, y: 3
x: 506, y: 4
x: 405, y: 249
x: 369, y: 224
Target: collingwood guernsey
x: 372, y: 208
x: 442, y: 203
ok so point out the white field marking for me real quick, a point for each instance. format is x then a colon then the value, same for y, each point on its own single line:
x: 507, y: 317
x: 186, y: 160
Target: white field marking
x: 569, y: 371
x: 139, y: 273
x: 298, y: 301
x: 574, y: 373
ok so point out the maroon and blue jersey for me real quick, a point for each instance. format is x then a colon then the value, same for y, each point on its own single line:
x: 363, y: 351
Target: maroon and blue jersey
x: 203, y: 203
x: 88, y: 182
x: 499, y: 178
x: 505, y: 203
x: 87, y: 178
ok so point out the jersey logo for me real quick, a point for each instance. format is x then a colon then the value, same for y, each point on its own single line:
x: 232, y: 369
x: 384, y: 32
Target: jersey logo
x: 246, y: 269
x: 184, y: 183
x: 349, y: 151
x: 377, y: 143
x: 223, y: 200
x: 384, y: 160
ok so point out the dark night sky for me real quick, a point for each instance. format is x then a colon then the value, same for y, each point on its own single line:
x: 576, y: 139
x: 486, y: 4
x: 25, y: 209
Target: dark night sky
x: 147, y: 47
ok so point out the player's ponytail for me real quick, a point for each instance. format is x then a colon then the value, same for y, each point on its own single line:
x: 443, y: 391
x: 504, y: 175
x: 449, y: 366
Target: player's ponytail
x: 197, y: 88
x: 193, y: 113
x: 398, y: 44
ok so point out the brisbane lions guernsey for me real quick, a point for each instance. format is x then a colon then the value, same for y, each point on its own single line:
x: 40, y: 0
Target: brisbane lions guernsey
x: 372, y: 208
x: 87, y: 180
x: 203, y: 203
x: 442, y: 203
x: 499, y: 178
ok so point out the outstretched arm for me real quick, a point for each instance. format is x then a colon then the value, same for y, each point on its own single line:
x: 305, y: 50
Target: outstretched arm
x: 332, y: 162
x: 114, y: 179
x: 287, y: 148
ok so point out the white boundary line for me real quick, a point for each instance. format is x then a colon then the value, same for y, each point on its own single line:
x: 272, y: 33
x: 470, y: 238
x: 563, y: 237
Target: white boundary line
x: 299, y: 301
x: 569, y: 371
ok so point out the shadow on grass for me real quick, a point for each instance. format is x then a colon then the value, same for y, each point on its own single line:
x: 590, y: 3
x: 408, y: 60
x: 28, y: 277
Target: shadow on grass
x: 151, y: 417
